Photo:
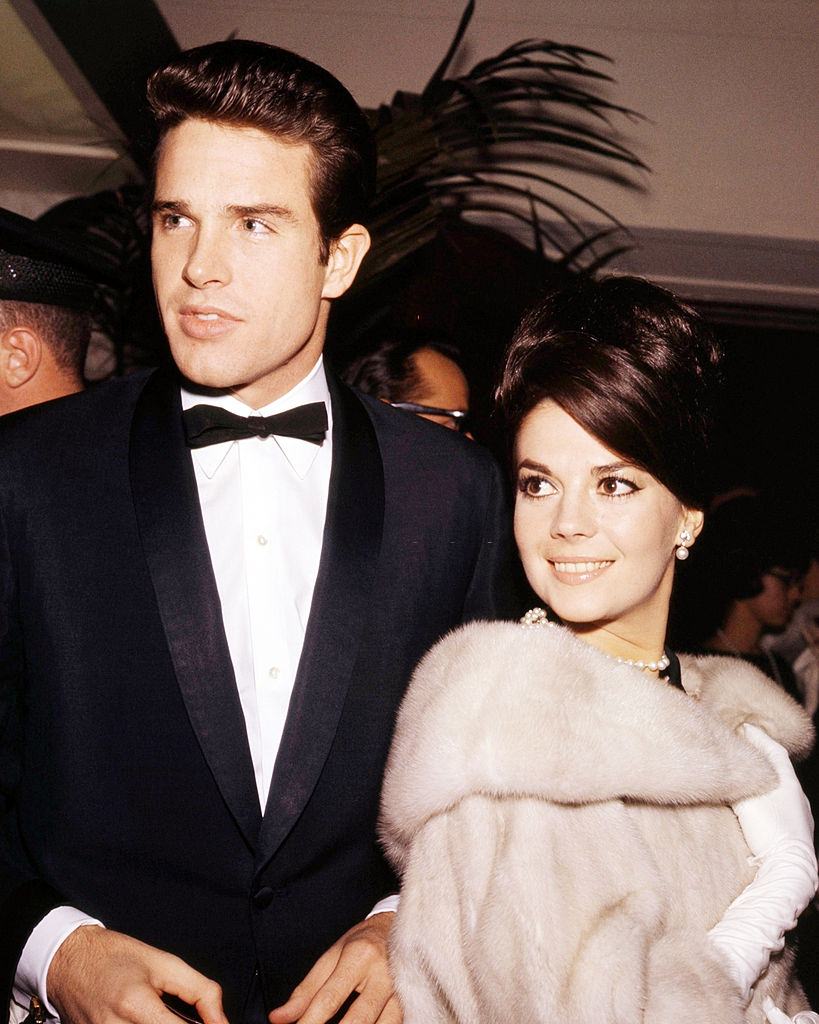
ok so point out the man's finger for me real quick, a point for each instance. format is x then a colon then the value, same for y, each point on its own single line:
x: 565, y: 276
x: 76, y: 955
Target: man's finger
x: 352, y: 974
x: 303, y: 993
x: 372, y: 1005
x: 178, y: 979
x: 290, y: 1011
x: 327, y: 1000
x: 392, y: 1013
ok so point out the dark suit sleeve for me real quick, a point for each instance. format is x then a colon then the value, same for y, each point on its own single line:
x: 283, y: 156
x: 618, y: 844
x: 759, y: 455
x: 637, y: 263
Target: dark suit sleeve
x: 23, y: 899
x: 496, y: 588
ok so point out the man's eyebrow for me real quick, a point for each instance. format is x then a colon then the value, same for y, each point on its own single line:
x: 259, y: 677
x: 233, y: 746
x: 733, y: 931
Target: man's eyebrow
x: 262, y: 210
x: 270, y: 210
x: 169, y: 206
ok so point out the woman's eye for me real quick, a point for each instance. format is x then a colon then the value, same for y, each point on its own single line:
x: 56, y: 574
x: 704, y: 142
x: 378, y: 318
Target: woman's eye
x: 535, y: 487
x: 617, y: 487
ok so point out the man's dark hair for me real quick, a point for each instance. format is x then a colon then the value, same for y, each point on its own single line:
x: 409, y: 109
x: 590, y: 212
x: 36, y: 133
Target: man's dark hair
x: 66, y: 332
x: 246, y: 84
x: 633, y: 365
x: 389, y: 371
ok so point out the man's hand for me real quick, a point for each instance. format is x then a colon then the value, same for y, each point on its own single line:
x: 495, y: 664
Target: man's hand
x: 356, y: 963
x: 102, y: 977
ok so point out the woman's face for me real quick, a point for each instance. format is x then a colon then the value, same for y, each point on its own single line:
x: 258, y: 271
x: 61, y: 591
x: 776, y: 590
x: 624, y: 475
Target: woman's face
x: 596, y: 535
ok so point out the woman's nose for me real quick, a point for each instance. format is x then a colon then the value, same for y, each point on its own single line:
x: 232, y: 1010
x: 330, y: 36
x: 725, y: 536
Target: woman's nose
x: 573, y: 516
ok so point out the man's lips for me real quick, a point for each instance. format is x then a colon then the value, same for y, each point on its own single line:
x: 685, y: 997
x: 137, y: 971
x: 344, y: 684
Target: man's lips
x: 203, y: 322
x: 576, y: 571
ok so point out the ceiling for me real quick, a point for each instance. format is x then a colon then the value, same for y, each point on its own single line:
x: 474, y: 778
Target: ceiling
x: 50, y: 141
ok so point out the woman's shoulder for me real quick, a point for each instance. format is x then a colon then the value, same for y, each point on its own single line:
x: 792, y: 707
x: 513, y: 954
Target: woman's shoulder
x: 481, y: 665
x: 739, y: 692
x: 507, y: 712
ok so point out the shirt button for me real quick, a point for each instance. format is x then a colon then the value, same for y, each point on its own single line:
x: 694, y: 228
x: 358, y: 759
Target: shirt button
x: 261, y: 540
x: 274, y: 672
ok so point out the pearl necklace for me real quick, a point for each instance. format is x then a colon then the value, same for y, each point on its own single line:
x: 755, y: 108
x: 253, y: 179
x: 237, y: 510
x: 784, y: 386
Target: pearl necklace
x: 535, y: 618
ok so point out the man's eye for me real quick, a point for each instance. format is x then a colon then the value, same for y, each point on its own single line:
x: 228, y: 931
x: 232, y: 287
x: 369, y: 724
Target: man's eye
x: 174, y: 221
x: 617, y: 486
x: 535, y: 487
x: 254, y: 227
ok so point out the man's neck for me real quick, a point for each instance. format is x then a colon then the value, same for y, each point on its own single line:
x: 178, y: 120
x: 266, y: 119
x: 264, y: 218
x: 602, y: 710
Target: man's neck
x: 303, y: 383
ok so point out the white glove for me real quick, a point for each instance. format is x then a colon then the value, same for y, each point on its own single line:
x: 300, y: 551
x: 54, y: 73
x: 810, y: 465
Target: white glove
x: 778, y: 828
x: 776, y: 1016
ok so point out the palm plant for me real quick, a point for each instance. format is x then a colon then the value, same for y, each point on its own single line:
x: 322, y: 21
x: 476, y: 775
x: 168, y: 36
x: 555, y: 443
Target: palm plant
x: 485, y: 142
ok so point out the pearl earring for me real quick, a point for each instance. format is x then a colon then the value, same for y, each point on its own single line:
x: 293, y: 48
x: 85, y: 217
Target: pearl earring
x: 682, y: 550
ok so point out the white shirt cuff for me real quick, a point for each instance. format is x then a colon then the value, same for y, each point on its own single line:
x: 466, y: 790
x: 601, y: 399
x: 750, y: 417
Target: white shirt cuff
x: 32, y: 968
x: 388, y: 905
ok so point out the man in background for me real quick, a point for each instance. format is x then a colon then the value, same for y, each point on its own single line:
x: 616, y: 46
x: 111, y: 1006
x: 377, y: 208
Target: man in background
x: 418, y: 373
x: 46, y: 292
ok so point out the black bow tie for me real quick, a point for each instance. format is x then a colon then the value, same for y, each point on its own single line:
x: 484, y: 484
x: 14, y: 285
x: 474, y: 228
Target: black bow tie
x: 210, y: 424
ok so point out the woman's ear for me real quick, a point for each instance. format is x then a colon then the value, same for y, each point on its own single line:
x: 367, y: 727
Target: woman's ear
x: 346, y: 254
x: 694, y: 521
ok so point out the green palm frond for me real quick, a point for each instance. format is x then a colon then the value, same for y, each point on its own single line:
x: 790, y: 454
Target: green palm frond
x: 491, y: 141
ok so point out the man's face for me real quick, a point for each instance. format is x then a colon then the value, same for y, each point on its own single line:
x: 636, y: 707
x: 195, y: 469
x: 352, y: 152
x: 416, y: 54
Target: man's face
x: 240, y: 289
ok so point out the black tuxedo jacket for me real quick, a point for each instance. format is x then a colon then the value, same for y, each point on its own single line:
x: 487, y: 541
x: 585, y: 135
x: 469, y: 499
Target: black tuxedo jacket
x: 125, y: 775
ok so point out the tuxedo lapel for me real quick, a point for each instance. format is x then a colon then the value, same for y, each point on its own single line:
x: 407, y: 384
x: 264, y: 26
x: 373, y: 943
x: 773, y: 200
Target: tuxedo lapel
x: 176, y: 551
x: 338, y: 617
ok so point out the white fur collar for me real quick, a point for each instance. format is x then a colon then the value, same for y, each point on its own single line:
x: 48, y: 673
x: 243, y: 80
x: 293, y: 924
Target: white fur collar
x: 499, y: 709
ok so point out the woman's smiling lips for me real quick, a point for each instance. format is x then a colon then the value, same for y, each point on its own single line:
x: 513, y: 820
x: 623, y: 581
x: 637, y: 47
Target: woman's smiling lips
x: 204, y: 322
x: 576, y: 571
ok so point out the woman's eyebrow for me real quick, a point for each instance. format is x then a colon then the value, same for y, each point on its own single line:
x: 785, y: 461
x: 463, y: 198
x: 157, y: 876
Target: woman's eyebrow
x: 537, y: 466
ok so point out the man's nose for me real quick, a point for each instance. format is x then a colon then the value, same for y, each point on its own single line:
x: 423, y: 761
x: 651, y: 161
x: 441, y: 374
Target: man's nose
x: 207, y: 262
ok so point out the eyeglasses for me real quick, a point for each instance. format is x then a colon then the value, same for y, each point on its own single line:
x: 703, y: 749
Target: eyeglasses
x: 460, y: 419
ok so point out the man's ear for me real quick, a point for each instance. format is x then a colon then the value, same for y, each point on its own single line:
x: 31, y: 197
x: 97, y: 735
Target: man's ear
x: 21, y: 352
x: 346, y: 254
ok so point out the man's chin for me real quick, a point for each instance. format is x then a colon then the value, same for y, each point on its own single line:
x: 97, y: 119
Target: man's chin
x: 201, y: 374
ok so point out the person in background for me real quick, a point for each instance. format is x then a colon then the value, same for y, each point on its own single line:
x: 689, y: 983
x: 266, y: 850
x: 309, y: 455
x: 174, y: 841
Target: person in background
x: 47, y: 289
x: 417, y: 373
x: 798, y: 643
x: 588, y: 827
x: 746, y: 582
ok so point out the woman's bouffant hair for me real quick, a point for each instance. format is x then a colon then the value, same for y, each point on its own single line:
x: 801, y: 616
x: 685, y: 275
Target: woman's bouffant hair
x: 243, y: 83
x: 633, y: 365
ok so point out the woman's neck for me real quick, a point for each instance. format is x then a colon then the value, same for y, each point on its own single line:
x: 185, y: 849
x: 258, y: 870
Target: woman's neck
x: 622, y: 644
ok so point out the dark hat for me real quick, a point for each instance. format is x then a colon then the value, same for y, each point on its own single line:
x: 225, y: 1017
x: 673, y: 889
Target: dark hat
x: 44, y: 265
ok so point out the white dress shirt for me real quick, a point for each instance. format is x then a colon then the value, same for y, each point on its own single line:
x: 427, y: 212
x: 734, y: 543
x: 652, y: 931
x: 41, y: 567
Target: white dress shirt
x: 264, y: 503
